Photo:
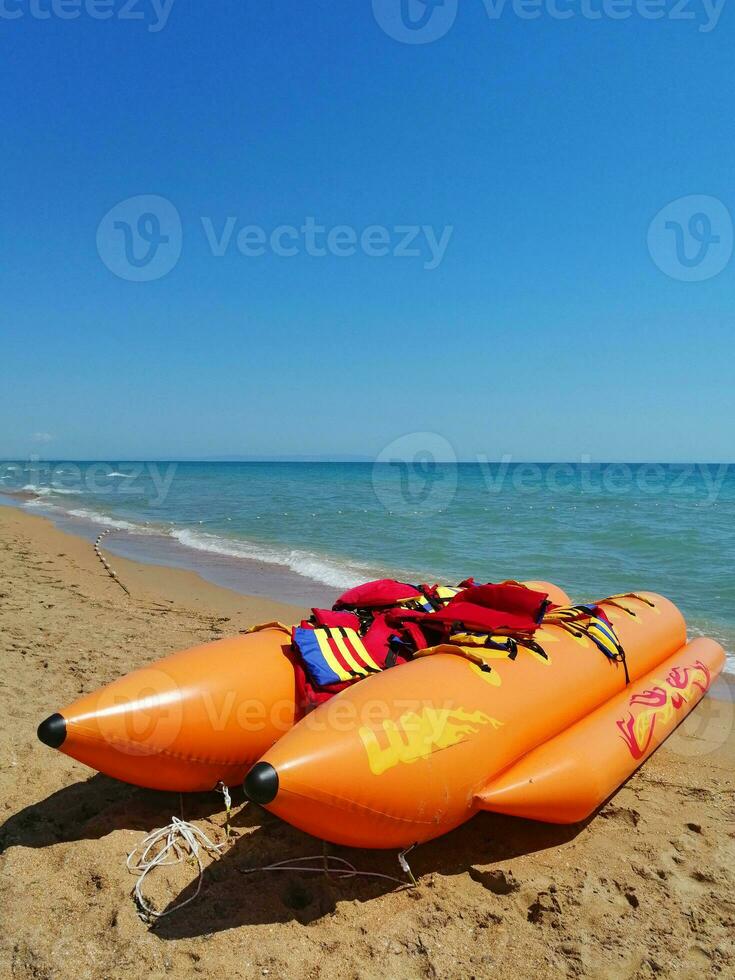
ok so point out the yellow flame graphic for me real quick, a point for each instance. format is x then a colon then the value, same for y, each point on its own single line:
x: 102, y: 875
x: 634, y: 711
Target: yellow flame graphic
x: 415, y: 735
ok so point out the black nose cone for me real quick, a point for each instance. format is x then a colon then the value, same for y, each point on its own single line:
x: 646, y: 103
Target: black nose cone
x: 261, y: 784
x: 52, y: 732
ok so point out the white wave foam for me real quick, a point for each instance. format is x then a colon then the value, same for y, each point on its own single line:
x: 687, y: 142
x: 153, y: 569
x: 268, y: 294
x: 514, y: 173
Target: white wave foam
x: 46, y: 491
x: 725, y: 637
x: 39, y: 502
x: 43, y: 502
x: 332, y: 572
x: 96, y: 518
x: 336, y: 573
x: 126, y: 476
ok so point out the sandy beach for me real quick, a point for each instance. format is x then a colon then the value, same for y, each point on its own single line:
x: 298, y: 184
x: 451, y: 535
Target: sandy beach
x: 643, y: 889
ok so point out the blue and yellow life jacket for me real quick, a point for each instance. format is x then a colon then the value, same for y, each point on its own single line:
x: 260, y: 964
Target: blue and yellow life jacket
x: 334, y: 654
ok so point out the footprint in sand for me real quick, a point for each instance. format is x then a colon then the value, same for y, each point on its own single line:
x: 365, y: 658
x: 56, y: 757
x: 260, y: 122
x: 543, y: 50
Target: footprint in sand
x: 497, y: 881
x: 545, y: 909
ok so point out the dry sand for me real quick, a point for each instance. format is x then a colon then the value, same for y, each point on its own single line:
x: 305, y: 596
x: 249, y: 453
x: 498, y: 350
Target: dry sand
x: 644, y: 889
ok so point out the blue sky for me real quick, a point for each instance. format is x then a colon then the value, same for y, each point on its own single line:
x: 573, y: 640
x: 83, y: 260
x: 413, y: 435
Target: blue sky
x: 543, y: 148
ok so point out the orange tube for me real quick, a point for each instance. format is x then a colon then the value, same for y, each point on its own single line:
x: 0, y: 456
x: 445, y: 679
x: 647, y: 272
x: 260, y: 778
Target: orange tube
x: 193, y: 719
x: 567, y: 778
x: 186, y: 722
x: 402, y: 758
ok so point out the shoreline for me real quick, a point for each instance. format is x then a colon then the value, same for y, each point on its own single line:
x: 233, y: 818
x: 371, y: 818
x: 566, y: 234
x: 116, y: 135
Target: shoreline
x: 149, y: 580
x: 644, y: 888
x: 255, y: 579
x: 246, y: 576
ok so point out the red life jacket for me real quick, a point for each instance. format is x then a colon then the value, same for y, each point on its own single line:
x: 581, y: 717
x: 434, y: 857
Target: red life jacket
x: 479, y: 609
x: 328, y: 617
x: 514, y: 599
x: 308, y: 694
x: 371, y: 628
x: 380, y: 594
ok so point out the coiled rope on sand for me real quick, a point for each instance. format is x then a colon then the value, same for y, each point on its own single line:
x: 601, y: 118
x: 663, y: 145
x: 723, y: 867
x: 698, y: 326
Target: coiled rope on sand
x: 181, y: 841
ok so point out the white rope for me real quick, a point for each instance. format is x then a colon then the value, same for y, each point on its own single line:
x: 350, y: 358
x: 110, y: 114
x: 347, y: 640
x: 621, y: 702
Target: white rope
x: 165, y: 847
x: 330, y: 864
x: 225, y: 791
x: 180, y: 840
x: 186, y: 840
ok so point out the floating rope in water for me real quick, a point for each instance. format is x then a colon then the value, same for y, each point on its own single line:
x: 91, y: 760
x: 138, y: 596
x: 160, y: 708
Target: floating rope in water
x: 110, y: 571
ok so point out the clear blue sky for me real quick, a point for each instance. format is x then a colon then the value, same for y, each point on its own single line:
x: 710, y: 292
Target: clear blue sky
x: 546, y: 331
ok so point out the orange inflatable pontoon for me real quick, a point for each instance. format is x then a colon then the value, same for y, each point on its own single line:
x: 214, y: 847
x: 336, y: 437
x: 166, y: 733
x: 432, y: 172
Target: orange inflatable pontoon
x: 193, y: 719
x: 186, y: 722
x: 417, y: 750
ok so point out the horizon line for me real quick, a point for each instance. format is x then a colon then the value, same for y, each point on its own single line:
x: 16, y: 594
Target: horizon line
x: 361, y: 460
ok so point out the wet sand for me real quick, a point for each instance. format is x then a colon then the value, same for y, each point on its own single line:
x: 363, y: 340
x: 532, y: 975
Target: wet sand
x: 644, y: 889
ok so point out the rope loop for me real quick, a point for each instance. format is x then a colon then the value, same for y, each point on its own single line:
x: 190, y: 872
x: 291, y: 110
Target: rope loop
x: 173, y: 844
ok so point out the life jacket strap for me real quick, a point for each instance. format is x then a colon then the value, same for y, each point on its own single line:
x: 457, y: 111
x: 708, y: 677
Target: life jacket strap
x: 467, y: 653
x: 445, y: 592
x: 432, y: 598
x: 612, y: 600
x: 630, y: 595
x: 590, y: 621
x: 274, y: 625
x: 421, y: 602
x: 508, y: 643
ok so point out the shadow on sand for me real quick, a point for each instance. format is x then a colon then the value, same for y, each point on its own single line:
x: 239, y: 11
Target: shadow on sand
x: 95, y: 807
x: 232, y: 894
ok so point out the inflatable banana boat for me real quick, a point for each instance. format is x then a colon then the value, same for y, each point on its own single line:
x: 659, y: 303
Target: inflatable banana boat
x: 548, y: 733
x: 400, y: 713
x: 201, y: 716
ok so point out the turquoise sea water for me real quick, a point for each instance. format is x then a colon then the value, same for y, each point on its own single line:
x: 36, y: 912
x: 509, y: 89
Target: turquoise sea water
x: 303, y: 531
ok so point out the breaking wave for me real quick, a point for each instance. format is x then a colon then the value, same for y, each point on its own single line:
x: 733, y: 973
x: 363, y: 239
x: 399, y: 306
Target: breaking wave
x: 46, y: 491
x: 343, y: 574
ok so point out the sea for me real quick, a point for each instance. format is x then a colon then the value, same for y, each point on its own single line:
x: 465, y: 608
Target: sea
x: 304, y: 531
